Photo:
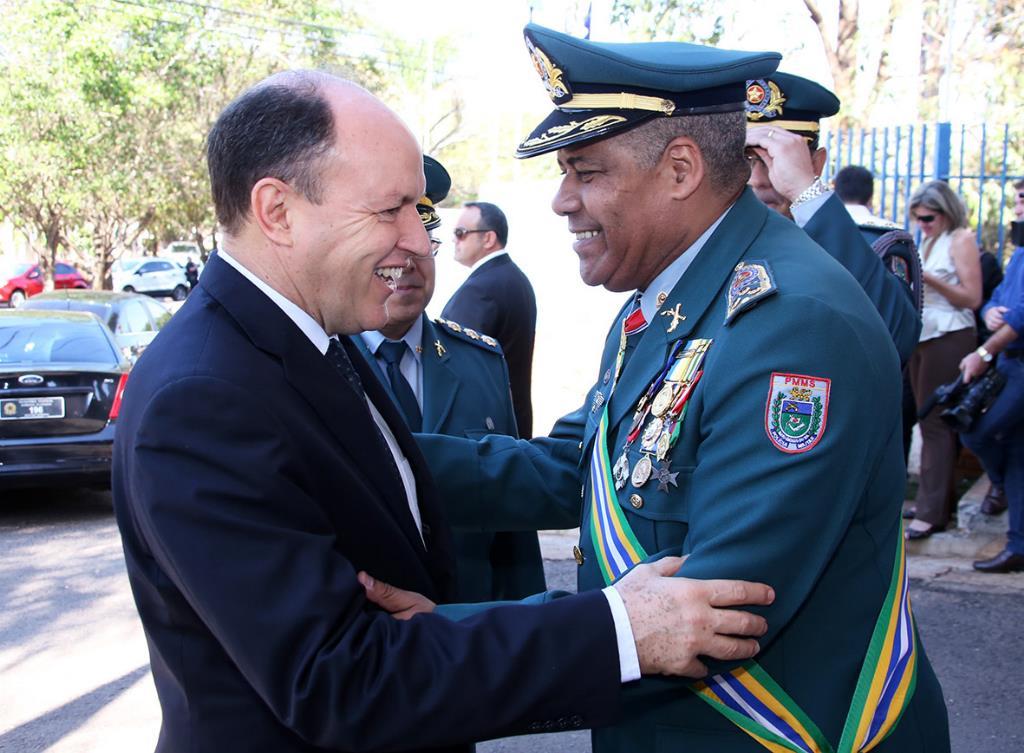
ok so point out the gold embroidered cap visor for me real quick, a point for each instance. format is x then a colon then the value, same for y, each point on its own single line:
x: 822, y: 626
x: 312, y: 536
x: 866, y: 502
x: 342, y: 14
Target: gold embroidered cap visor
x: 600, y: 89
x: 439, y: 183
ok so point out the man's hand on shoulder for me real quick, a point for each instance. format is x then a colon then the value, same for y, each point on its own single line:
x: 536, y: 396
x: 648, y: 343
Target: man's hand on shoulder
x: 400, y: 604
x: 676, y: 620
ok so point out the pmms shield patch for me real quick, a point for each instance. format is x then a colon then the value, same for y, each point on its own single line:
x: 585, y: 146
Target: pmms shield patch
x: 796, y: 411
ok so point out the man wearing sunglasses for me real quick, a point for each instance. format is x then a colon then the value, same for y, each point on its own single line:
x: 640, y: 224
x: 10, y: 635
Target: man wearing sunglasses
x: 450, y: 379
x: 496, y: 299
x: 783, y: 114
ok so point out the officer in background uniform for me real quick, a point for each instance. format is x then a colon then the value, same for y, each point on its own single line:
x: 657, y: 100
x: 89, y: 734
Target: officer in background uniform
x: 855, y: 187
x: 745, y: 413
x: 449, y: 379
x: 783, y: 114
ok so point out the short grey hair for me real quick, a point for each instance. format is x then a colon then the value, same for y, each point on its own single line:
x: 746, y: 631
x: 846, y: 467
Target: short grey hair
x: 721, y: 138
x: 937, y: 196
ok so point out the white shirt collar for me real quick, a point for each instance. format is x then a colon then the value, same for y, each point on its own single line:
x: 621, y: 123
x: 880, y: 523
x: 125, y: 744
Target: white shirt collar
x: 413, y: 338
x: 309, y: 326
x: 673, y: 273
x: 484, y: 260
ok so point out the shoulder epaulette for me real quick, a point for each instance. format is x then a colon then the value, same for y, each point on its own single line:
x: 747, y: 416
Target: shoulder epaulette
x: 752, y: 281
x: 470, y: 335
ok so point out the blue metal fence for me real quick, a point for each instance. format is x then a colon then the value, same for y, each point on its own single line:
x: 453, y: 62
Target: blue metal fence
x: 981, y: 162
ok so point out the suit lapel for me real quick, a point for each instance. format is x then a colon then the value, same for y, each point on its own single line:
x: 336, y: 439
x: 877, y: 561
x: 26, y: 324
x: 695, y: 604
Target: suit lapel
x: 698, y: 288
x: 440, y: 381
x: 343, y: 411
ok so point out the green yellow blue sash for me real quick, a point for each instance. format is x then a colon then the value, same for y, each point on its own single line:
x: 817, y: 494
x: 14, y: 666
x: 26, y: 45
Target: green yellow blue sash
x: 749, y: 698
x: 614, y: 542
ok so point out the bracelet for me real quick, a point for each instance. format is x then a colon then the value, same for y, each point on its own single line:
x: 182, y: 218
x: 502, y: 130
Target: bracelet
x: 813, y: 191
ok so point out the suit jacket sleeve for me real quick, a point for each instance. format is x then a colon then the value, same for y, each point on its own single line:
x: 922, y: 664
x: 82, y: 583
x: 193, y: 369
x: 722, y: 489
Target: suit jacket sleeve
x: 832, y: 228
x: 503, y: 484
x: 227, y: 517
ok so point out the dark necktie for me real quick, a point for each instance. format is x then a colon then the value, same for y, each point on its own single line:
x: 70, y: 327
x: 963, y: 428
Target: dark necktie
x: 392, y: 353
x: 339, y: 359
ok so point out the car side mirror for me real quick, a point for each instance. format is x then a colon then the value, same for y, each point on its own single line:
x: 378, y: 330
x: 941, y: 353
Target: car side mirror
x: 137, y: 273
x: 34, y: 274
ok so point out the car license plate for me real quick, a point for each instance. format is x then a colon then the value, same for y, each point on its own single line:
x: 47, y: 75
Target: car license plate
x: 20, y: 408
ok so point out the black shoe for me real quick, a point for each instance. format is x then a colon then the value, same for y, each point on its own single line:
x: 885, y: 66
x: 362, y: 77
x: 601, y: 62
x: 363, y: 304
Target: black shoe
x: 913, y: 534
x: 1004, y: 562
x: 910, y: 513
x: 994, y: 502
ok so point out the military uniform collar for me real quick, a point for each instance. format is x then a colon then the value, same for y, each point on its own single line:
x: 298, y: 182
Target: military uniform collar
x: 656, y: 293
x: 413, y: 338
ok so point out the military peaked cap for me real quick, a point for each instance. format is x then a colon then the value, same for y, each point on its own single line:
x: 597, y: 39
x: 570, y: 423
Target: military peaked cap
x: 790, y: 102
x: 439, y: 182
x: 600, y: 89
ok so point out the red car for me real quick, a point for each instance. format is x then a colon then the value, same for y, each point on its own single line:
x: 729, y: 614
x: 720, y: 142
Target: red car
x: 24, y: 280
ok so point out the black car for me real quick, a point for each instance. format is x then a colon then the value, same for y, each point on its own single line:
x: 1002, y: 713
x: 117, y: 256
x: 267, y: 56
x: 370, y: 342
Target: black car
x: 133, y: 318
x: 62, y: 376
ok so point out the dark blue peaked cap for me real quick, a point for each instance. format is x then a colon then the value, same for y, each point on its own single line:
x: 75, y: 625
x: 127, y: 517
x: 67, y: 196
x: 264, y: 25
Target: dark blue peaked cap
x: 600, y: 89
x: 790, y: 102
x: 439, y: 183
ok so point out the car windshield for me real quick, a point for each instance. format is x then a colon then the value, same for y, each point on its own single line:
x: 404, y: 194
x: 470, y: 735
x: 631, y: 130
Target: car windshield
x: 49, y: 341
x: 14, y: 269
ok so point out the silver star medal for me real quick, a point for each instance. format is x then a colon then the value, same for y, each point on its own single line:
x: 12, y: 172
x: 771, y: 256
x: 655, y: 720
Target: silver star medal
x: 620, y: 471
x: 665, y: 478
x: 642, y: 471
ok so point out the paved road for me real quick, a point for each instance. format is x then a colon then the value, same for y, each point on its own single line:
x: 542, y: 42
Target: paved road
x: 75, y: 669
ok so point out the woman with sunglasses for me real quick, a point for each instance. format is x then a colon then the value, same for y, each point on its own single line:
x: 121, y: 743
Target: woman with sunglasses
x: 951, y: 272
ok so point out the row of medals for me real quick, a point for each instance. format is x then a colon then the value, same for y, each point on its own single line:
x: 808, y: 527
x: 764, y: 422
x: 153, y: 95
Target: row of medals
x: 671, y: 391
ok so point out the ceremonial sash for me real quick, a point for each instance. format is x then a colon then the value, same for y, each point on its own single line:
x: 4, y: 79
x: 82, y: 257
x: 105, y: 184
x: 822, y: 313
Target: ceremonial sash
x: 615, y: 544
x: 748, y: 696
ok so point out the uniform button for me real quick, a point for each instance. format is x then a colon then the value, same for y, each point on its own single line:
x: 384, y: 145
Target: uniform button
x: 636, y: 500
x: 577, y: 555
x: 489, y: 423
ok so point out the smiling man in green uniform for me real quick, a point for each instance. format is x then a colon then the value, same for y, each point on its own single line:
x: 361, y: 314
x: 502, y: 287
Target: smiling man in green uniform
x: 745, y: 413
x: 450, y: 379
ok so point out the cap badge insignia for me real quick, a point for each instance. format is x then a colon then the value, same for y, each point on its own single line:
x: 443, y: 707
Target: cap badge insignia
x: 764, y: 99
x: 796, y: 411
x: 549, y: 73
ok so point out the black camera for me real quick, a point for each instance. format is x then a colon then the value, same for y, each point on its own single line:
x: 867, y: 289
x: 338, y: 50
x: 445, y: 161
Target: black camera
x: 966, y: 402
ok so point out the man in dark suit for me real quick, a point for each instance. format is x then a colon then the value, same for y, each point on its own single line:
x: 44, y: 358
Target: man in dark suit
x: 449, y: 379
x: 496, y: 299
x: 245, y: 532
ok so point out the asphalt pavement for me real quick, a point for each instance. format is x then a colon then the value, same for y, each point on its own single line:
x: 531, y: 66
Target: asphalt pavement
x: 75, y: 674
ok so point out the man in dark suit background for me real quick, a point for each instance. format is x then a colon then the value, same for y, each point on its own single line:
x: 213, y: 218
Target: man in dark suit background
x: 496, y: 299
x: 245, y: 532
x: 447, y: 379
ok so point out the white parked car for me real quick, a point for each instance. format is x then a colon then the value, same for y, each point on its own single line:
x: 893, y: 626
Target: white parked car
x: 150, y: 275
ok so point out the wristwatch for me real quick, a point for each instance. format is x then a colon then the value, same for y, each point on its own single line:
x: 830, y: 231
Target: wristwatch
x: 983, y: 354
x: 813, y: 191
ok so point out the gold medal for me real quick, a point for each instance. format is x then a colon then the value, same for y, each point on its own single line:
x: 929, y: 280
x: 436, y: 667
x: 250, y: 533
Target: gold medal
x: 663, y: 400
x: 642, y: 471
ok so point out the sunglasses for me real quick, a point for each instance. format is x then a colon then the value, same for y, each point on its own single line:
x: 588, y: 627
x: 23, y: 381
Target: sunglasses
x: 1020, y: 195
x: 461, y: 232
x: 924, y: 219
